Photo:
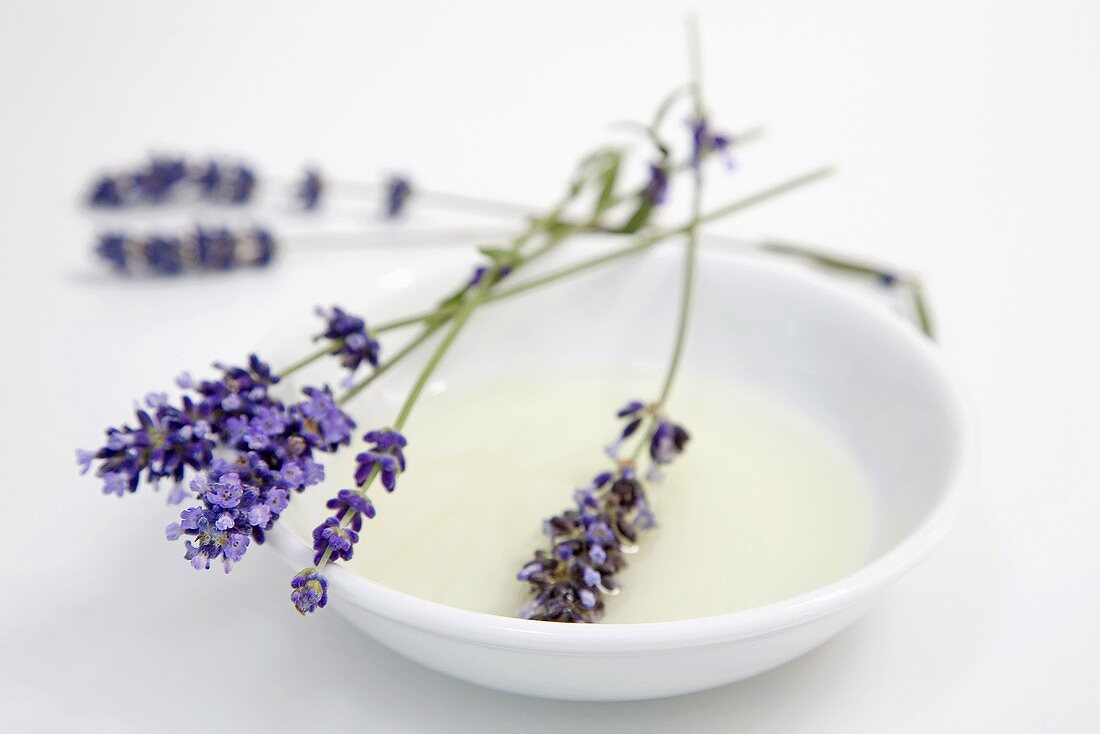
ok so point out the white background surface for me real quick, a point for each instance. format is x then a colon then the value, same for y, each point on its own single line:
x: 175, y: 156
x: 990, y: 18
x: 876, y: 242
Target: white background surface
x: 967, y: 137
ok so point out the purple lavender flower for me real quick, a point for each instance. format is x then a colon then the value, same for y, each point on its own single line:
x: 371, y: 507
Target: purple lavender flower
x: 588, y: 543
x: 155, y: 181
x: 337, y: 540
x: 166, y: 441
x: 309, y: 591
x: 112, y: 248
x: 309, y: 189
x: 357, y: 344
x: 216, y: 248
x: 667, y: 442
x: 569, y: 581
x: 322, y: 422
x: 202, y: 249
x: 249, y: 450
x: 106, y: 193
x: 481, y: 270
x: 386, y: 454
x: 398, y: 191
x: 704, y: 141
x: 242, y: 181
x: 164, y: 255
x: 351, y: 505
x: 208, y: 179
x: 656, y: 188
x: 634, y: 413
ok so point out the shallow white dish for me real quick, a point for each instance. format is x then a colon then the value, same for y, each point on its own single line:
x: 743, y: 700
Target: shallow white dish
x: 864, y: 374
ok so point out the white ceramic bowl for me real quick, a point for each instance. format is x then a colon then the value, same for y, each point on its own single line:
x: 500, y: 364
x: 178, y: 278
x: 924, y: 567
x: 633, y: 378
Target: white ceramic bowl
x: 861, y: 372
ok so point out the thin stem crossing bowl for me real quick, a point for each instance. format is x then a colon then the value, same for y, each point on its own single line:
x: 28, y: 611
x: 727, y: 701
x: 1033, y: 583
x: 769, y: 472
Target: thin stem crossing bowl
x: 862, y: 373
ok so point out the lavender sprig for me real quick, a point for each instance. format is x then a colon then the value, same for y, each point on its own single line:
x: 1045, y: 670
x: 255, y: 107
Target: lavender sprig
x: 336, y: 537
x: 567, y: 582
x: 255, y: 451
x: 589, y: 544
x: 202, y: 249
x: 164, y: 179
x: 248, y: 450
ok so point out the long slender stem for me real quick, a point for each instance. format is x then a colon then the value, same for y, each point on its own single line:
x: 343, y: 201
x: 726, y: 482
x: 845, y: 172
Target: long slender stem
x: 429, y: 368
x: 330, y: 348
x: 644, y: 243
x: 647, y: 241
x: 687, y: 288
x: 433, y: 362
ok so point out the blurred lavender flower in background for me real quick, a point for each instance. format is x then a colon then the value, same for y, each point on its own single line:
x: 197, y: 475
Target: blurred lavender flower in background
x: 656, y: 188
x: 398, y: 191
x: 203, y: 249
x: 309, y: 189
x: 704, y: 140
x: 162, y: 179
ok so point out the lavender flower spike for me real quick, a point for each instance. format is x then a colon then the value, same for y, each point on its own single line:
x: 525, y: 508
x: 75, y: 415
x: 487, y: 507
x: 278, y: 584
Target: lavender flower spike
x: 249, y: 452
x: 588, y: 544
x: 165, y: 179
x: 309, y: 591
x: 202, y: 249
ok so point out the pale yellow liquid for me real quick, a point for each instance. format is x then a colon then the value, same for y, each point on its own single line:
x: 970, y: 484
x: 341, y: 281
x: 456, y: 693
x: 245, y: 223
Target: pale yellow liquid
x: 762, y: 506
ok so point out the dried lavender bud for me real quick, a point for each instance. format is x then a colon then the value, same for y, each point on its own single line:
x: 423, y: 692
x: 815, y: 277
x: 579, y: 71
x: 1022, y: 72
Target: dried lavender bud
x: 656, y: 188
x: 587, y: 544
x: 204, y: 249
x: 398, y: 191
x: 481, y: 270
x: 704, y: 141
x: 667, y: 442
x: 634, y: 413
x: 569, y: 581
x: 309, y: 189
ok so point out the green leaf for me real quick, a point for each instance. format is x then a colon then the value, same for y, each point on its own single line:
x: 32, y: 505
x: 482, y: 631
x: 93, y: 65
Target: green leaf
x: 496, y: 254
x: 608, y: 178
x: 639, y: 219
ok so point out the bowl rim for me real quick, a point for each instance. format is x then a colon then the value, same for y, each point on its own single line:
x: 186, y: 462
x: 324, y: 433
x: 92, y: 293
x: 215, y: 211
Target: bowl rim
x: 494, y: 630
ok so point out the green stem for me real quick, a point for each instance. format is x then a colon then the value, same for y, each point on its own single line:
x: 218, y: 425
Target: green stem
x: 688, y: 286
x: 835, y: 262
x: 330, y: 348
x: 437, y: 356
x: 403, y: 413
x: 645, y: 242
